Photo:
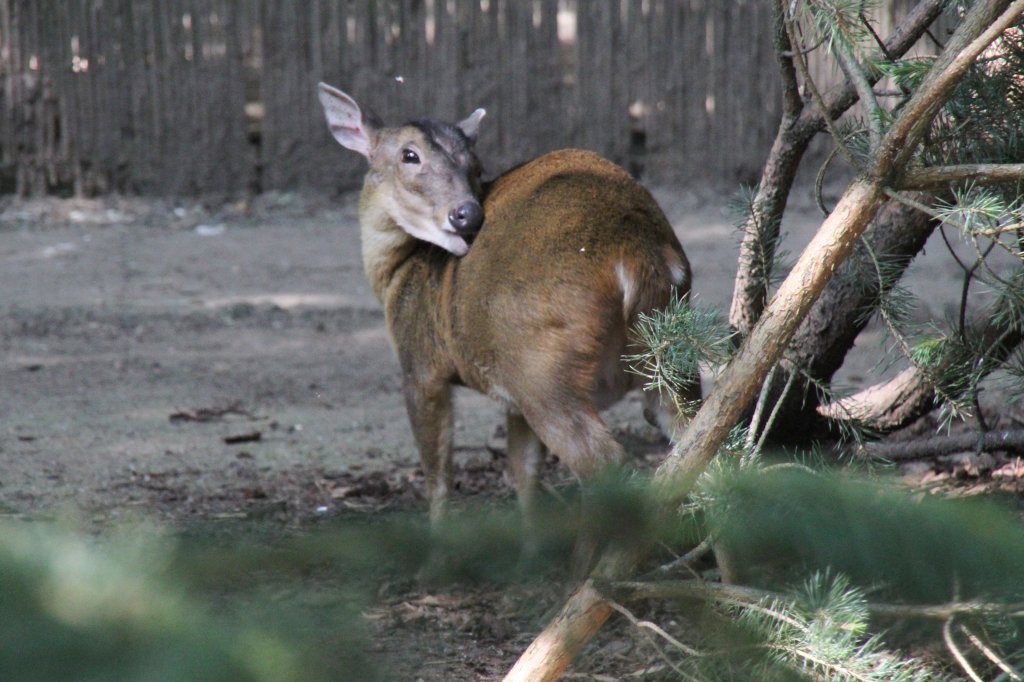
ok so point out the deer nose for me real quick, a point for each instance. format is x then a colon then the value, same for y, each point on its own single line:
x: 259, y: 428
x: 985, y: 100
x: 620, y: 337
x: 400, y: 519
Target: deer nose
x: 466, y: 217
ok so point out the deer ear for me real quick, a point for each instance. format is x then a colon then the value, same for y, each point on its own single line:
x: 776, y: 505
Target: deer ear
x: 471, y: 125
x: 346, y: 121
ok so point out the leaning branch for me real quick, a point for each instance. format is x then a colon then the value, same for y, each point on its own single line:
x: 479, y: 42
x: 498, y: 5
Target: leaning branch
x: 903, y: 37
x: 982, y: 25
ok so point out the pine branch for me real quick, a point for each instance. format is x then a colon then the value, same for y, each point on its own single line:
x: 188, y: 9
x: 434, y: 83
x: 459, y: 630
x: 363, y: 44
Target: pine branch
x: 985, y: 22
x: 822, y: 626
x: 676, y: 341
x: 809, y: 83
x: 762, y: 401
x: 938, y: 177
x: 857, y: 76
x: 903, y: 37
x: 779, y: 402
x: 968, y: 210
x: 954, y: 650
x: 637, y: 590
x: 792, y: 103
x: 655, y: 628
x: 899, y: 401
x: 954, y: 402
x: 874, y: 36
x: 990, y: 654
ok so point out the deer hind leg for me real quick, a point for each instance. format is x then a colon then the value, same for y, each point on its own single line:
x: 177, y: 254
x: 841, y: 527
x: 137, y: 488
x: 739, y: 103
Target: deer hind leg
x: 581, y: 439
x: 559, y: 381
x: 525, y: 457
x: 662, y: 410
x: 430, y: 413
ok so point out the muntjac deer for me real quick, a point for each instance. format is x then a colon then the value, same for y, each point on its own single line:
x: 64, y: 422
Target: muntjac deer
x: 524, y: 289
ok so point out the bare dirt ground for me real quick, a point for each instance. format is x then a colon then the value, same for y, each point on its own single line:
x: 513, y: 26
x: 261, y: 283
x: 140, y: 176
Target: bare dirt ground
x: 179, y: 362
x: 156, y: 357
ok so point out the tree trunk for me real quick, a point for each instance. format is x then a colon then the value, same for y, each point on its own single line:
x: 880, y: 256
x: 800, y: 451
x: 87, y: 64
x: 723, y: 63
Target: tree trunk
x: 742, y: 377
x: 820, y: 344
x: 553, y: 650
x: 798, y: 127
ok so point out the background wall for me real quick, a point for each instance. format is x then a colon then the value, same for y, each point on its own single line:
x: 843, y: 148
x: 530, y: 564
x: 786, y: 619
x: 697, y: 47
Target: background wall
x: 218, y: 96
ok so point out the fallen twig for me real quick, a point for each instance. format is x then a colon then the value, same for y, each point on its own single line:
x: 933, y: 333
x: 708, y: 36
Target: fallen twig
x: 936, y: 446
x: 209, y: 414
x: 655, y: 628
x: 947, y: 636
x: 990, y: 654
x: 251, y: 437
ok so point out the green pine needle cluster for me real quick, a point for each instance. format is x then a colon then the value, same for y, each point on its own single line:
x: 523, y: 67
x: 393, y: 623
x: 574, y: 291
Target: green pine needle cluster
x: 822, y: 632
x: 832, y: 21
x: 981, y: 123
x: 904, y: 73
x: 983, y: 212
x: 766, y: 261
x: 676, y: 342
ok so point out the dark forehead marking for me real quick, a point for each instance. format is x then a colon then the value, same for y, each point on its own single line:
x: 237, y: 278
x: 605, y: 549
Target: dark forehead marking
x: 448, y: 138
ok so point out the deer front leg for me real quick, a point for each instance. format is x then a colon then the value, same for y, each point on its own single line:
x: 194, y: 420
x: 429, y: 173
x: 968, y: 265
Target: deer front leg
x: 430, y: 413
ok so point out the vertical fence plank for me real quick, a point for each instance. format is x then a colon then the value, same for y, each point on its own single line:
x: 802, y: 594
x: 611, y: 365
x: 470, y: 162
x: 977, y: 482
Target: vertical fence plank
x: 218, y: 96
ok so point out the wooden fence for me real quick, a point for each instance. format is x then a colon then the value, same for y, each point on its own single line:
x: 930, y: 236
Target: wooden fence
x: 218, y: 96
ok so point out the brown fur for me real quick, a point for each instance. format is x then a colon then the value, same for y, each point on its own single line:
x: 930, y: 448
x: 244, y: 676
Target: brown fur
x: 536, y: 313
x: 533, y: 314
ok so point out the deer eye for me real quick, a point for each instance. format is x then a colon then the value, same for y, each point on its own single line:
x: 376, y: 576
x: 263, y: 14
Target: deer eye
x: 409, y: 156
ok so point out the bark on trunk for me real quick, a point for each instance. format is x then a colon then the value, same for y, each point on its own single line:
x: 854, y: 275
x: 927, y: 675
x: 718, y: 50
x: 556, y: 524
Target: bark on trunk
x: 820, y: 344
x: 553, y: 650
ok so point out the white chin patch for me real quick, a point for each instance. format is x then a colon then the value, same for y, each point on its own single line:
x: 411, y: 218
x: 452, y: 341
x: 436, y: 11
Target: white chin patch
x: 446, y: 239
x: 422, y: 226
x: 454, y: 243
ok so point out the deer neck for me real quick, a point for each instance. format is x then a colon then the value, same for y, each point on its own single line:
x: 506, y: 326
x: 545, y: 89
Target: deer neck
x: 385, y: 245
x: 412, y: 279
